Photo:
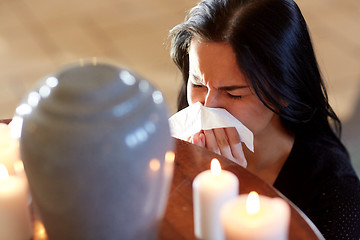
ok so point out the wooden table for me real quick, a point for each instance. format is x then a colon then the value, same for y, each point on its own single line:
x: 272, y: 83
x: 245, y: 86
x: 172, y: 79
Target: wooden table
x: 190, y: 160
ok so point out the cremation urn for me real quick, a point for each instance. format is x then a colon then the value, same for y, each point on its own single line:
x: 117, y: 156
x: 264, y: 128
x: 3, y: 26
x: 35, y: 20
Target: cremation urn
x: 96, y: 147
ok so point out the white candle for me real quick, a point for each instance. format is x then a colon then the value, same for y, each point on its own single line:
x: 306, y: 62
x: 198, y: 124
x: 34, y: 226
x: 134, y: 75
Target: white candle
x: 211, y: 189
x: 15, y: 219
x: 9, y: 148
x: 255, y: 217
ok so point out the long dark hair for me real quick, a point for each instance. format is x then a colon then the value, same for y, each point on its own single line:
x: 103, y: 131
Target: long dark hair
x: 274, y: 51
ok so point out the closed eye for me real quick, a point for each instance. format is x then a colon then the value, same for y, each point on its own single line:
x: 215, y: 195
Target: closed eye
x: 234, y: 96
x: 196, y: 85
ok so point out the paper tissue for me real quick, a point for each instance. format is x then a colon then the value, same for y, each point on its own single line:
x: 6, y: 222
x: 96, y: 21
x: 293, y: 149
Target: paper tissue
x: 197, y: 117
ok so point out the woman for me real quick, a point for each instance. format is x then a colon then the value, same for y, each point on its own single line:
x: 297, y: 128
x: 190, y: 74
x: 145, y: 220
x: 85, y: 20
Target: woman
x: 255, y: 59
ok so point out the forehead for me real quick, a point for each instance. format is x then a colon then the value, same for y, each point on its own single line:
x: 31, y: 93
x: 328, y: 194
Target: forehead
x: 214, y: 61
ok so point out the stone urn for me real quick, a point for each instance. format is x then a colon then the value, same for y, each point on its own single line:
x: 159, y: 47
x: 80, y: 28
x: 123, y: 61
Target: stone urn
x: 96, y: 147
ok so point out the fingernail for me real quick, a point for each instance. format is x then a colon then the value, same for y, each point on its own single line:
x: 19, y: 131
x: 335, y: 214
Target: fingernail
x: 201, y: 136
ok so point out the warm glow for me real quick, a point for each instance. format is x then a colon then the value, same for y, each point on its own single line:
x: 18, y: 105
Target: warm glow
x: 39, y: 231
x: 253, y: 203
x: 169, y: 157
x: 215, y: 167
x: 154, y: 164
x: 4, y: 174
x: 19, y: 167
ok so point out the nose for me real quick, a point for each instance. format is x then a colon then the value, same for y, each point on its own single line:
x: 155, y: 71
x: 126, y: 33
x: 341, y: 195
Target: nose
x: 211, y: 100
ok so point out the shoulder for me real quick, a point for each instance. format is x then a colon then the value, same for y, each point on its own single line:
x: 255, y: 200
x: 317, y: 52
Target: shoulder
x: 321, y: 155
x: 317, y: 160
x: 319, y: 178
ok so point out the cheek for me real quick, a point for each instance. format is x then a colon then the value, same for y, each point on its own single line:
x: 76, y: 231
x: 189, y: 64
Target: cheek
x: 253, y: 114
x: 261, y: 120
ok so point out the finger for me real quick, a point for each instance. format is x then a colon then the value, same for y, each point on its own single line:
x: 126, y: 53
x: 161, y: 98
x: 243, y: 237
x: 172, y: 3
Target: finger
x: 211, y: 142
x: 197, y: 139
x: 230, y: 145
x: 236, y: 146
x: 202, y: 139
x: 223, y: 142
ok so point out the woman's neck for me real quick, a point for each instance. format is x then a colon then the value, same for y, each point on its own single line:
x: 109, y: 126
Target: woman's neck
x: 272, y: 148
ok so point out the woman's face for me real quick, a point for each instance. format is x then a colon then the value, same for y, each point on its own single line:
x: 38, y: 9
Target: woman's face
x: 216, y: 81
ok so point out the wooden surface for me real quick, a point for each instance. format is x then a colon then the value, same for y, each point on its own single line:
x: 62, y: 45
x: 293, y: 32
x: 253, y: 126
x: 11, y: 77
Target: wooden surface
x: 190, y: 160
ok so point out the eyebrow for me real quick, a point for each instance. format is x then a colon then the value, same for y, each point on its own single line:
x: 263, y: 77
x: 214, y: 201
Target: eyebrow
x: 232, y: 87
x: 224, y: 88
x: 195, y: 77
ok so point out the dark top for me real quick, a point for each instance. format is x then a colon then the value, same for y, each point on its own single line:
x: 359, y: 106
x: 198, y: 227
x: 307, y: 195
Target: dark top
x: 319, y: 178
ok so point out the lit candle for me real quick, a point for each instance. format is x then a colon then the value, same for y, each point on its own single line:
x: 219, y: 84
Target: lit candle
x: 255, y: 217
x: 9, y: 148
x: 211, y: 189
x: 15, y: 220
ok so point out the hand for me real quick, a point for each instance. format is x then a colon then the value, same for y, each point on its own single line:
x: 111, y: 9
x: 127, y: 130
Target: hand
x: 223, y: 141
x: 198, y: 139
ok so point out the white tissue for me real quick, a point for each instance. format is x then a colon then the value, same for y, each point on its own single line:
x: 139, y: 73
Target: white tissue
x: 197, y: 117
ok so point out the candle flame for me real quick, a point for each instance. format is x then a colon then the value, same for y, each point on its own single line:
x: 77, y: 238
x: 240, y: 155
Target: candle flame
x: 253, y: 203
x: 169, y: 157
x: 39, y: 231
x: 154, y: 164
x: 3, y: 172
x: 215, y: 167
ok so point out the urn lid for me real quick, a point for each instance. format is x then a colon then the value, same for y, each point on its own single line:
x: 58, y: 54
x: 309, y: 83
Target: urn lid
x: 93, y: 91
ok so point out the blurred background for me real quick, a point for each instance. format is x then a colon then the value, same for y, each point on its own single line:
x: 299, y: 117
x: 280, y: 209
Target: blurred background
x: 39, y: 36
